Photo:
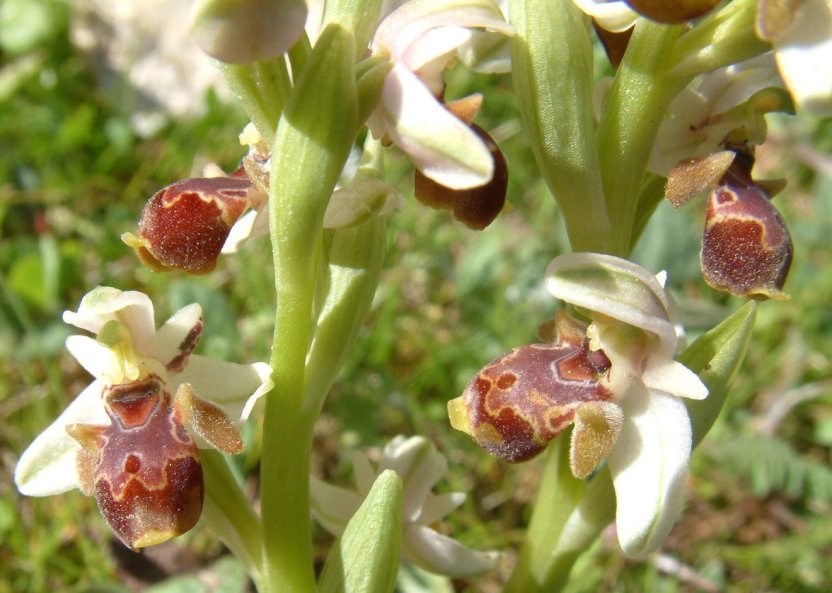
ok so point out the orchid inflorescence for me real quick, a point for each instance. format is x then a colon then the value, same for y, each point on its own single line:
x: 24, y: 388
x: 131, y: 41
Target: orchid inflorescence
x: 611, y: 375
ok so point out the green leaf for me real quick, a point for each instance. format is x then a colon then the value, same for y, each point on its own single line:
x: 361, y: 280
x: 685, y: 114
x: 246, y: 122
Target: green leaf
x: 366, y: 557
x: 552, y: 72
x: 717, y: 356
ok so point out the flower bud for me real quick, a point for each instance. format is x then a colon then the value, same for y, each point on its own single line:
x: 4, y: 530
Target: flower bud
x: 185, y: 225
x: 522, y: 400
x: 672, y: 11
x: 746, y: 248
x: 245, y: 31
x: 477, y: 207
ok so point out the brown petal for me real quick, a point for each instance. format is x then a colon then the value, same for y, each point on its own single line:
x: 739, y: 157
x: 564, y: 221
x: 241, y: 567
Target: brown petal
x: 476, y: 207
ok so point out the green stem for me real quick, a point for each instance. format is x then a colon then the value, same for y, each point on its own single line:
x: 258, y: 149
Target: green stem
x: 639, y: 98
x: 725, y: 37
x: 552, y: 74
x: 228, y: 512
x: 311, y: 145
x: 540, y: 568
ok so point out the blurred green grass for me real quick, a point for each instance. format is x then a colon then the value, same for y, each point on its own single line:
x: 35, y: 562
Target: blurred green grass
x: 74, y: 176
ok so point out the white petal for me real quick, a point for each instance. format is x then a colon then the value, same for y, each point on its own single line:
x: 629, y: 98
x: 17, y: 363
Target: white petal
x: 332, y: 506
x: 804, y: 56
x: 673, y: 378
x: 102, y: 304
x: 233, y: 387
x: 410, y: 22
x: 612, y: 16
x: 165, y: 344
x: 48, y: 465
x: 441, y: 146
x: 437, y: 553
x: 614, y: 287
x: 648, y: 465
x: 98, y: 360
x: 241, y: 231
x: 439, y: 505
x: 363, y: 472
x: 419, y: 465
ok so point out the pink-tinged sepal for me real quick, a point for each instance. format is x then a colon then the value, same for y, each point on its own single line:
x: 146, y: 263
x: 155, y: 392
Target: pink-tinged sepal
x: 746, y: 248
x: 522, y: 400
x: 184, y: 226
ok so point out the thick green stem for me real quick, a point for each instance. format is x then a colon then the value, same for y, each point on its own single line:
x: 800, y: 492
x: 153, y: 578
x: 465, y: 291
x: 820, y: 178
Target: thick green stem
x: 262, y: 89
x: 552, y: 73
x: 639, y: 98
x: 540, y: 569
x: 311, y: 145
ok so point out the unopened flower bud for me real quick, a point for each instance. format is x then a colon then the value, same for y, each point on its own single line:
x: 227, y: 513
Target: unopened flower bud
x: 672, y: 11
x: 246, y: 31
x: 184, y: 226
x: 746, y: 248
x: 477, y: 207
x: 522, y: 400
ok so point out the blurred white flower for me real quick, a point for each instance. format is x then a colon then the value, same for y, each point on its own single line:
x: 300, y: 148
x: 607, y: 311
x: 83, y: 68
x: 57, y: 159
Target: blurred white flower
x: 420, y: 466
x: 631, y: 324
x: 801, y: 34
x: 612, y: 15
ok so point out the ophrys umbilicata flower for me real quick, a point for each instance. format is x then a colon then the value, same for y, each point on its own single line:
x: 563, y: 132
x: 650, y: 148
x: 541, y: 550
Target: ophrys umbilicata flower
x: 420, y: 466
x: 131, y: 438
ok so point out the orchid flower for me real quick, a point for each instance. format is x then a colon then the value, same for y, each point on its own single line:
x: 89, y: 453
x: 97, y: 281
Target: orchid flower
x: 420, y: 466
x: 632, y: 325
x: 421, y: 38
x: 721, y: 107
x: 801, y: 35
x: 131, y: 437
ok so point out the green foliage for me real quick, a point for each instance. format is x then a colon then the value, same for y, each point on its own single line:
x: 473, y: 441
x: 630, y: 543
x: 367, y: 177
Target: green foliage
x: 773, y: 466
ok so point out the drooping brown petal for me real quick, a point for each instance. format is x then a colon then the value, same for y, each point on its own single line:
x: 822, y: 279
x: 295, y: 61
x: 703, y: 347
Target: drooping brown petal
x: 184, y: 226
x: 746, y: 248
x: 692, y: 176
x: 522, y: 400
x: 672, y: 11
x: 476, y: 207
x: 615, y: 44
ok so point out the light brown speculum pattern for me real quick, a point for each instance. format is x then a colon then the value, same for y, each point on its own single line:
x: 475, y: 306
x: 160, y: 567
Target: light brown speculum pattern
x: 520, y: 401
x: 144, y: 468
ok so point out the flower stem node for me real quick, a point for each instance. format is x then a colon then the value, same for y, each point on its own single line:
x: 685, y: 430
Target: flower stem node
x: 185, y: 225
x: 131, y: 439
x: 746, y: 248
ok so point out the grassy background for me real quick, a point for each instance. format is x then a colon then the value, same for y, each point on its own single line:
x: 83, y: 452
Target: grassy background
x: 74, y: 176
